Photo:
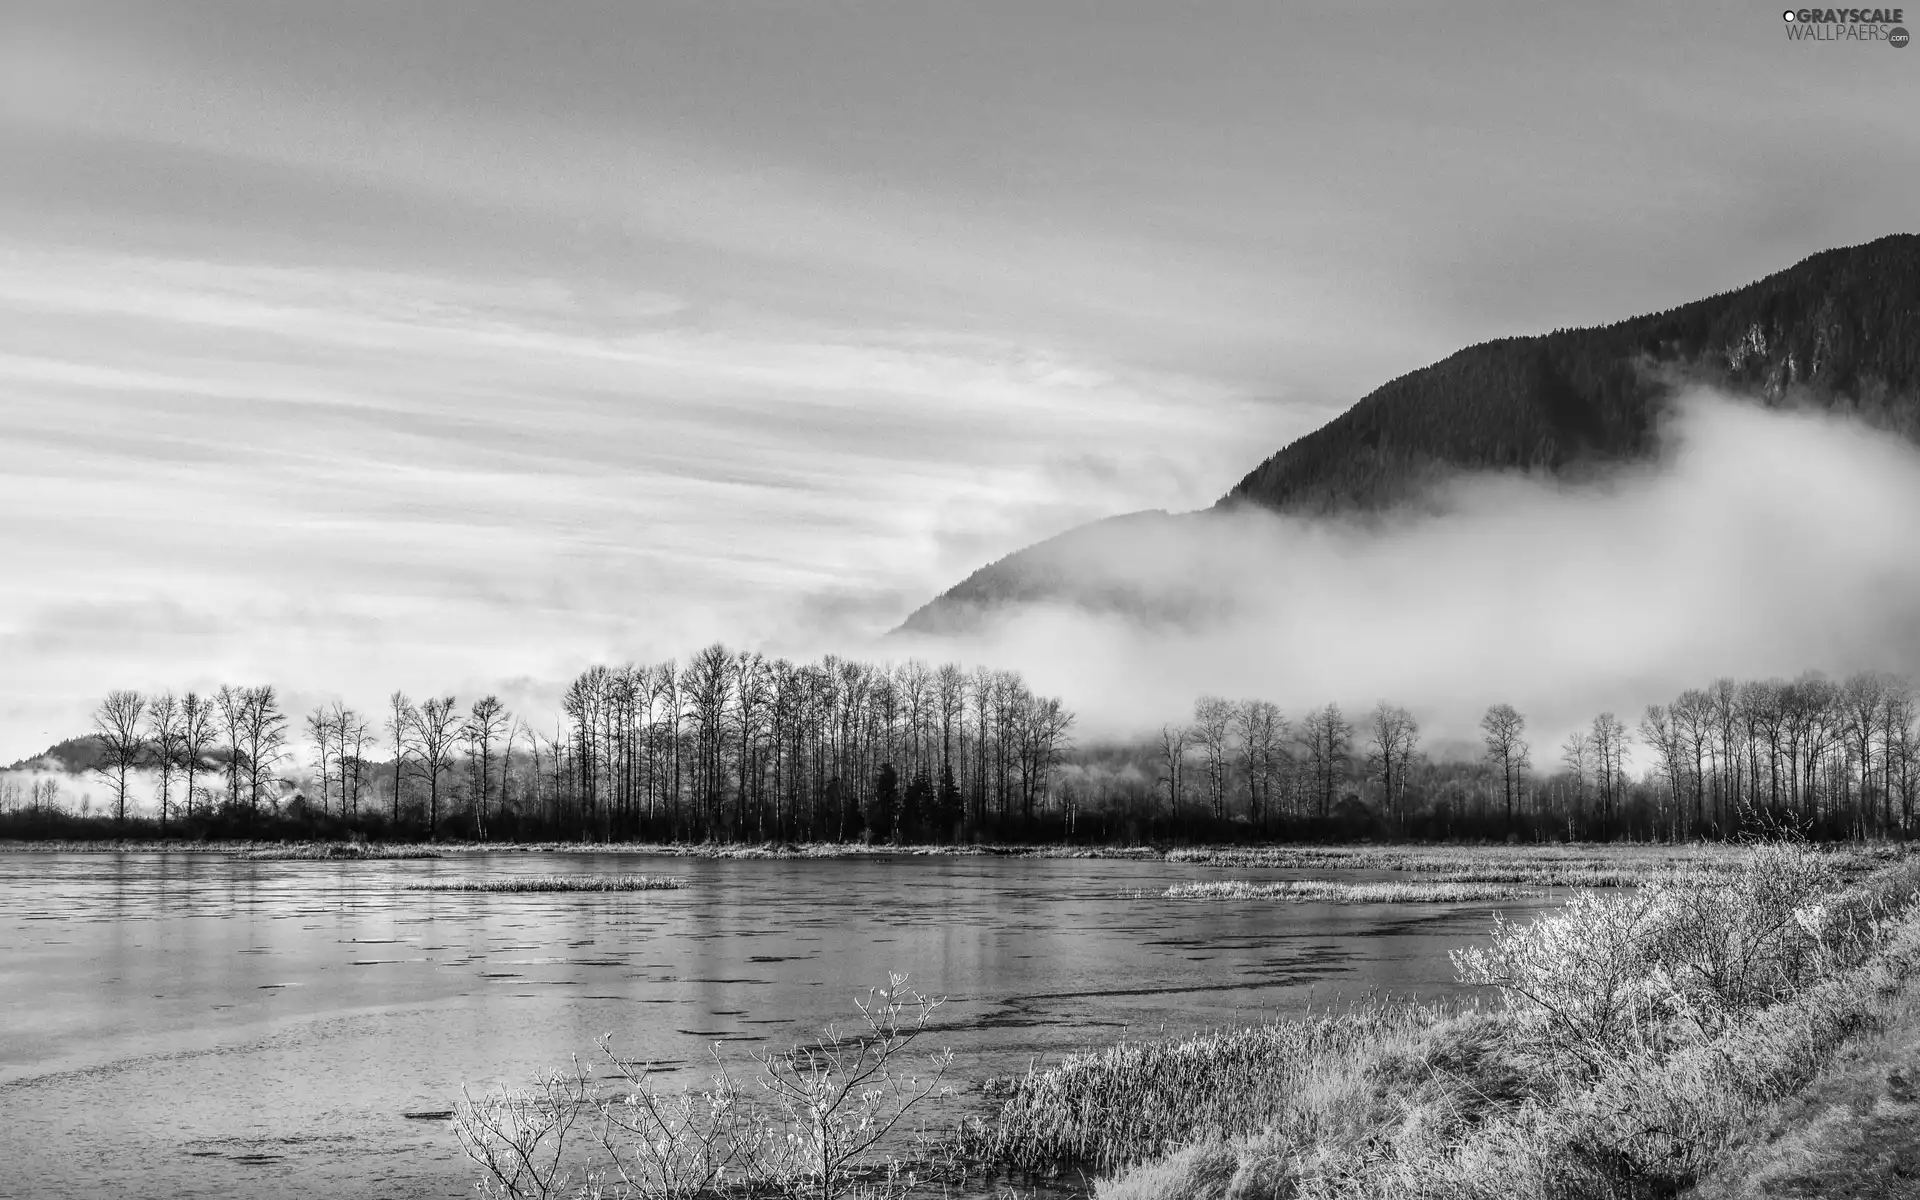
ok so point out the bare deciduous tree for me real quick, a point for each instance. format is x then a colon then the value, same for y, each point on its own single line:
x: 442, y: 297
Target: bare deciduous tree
x: 1329, y: 741
x: 230, y: 702
x: 403, y: 722
x: 1862, y: 699
x: 163, y: 735
x: 117, y: 727
x: 1659, y: 730
x: 485, y: 723
x: 1212, y: 729
x: 1173, y: 758
x: 320, y: 732
x: 1609, y: 740
x: 1262, y: 732
x: 1395, y: 734
x: 437, y: 726
x: 1576, y: 754
x: 1504, y: 729
x: 196, y: 739
x: 350, y: 734
x: 264, y: 730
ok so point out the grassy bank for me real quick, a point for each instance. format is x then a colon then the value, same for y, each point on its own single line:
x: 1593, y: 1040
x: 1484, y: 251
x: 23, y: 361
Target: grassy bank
x: 1320, y: 891
x: 1627, y: 1046
x: 1552, y: 864
x: 1854, y: 1131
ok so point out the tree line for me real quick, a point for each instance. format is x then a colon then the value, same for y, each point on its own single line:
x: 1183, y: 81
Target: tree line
x: 1838, y: 758
x: 220, y: 750
x: 731, y: 745
x: 1810, y: 756
x: 735, y: 746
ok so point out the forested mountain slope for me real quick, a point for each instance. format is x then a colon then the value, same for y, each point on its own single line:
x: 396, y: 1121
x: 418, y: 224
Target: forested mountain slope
x: 1840, y: 330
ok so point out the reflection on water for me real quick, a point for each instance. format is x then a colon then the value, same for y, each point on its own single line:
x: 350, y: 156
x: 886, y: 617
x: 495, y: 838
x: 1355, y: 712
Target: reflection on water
x: 193, y: 1025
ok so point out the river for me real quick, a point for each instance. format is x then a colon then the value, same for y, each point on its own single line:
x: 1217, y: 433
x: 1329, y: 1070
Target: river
x: 198, y: 1025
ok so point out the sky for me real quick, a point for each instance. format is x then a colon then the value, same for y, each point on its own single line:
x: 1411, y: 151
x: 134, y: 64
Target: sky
x: 455, y: 347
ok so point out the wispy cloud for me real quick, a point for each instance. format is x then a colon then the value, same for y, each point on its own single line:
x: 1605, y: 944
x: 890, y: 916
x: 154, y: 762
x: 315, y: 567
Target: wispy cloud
x: 364, y: 479
x: 358, y: 346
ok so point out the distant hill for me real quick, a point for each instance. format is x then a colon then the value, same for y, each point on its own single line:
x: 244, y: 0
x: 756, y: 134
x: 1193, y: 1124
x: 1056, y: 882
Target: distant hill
x: 1053, y: 569
x: 78, y: 755
x: 73, y: 756
x: 1839, y: 330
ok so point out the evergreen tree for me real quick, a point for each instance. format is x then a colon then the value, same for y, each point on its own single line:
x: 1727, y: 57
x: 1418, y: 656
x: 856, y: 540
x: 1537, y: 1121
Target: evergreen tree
x: 949, y: 806
x: 885, y: 803
x: 918, y: 808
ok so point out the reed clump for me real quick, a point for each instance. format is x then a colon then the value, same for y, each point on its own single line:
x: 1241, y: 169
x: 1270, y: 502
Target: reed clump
x: 335, y: 852
x: 556, y: 883
x: 1139, y: 1100
x: 1550, y: 877
x: 1321, y: 891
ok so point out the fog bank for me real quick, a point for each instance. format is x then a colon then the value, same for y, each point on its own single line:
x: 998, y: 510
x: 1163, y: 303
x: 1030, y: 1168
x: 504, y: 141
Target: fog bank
x: 1758, y: 542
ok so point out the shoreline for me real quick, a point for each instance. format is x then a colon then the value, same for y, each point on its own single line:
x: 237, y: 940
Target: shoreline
x: 1746, y: 1087
x: 1355, y: 853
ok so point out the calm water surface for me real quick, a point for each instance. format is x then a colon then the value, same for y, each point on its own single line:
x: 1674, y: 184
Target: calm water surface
x: 200, y: 1026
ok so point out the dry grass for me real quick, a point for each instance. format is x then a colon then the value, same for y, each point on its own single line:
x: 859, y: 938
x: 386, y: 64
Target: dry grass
x: 557, y: 883
x: 1138, y: 1100
x: 1320, y: 891
x: 1854, y: 1131
x: 1553, y: 877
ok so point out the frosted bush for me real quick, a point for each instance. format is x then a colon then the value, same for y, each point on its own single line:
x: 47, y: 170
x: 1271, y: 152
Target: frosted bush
x: 1676, y: 960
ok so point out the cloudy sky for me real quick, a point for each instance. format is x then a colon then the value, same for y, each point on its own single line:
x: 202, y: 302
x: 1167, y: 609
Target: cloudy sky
x: 442, y: 346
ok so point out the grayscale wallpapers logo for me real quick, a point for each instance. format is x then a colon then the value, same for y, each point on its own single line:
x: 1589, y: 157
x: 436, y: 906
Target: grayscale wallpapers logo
x: 1847, y: 25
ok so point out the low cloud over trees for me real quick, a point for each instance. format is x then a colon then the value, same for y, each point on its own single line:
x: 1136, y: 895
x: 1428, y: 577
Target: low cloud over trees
x: 734, y: 746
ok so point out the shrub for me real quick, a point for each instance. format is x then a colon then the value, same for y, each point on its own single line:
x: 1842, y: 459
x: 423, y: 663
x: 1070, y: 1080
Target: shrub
x: 814, y: 1128
x: 1685, y: 955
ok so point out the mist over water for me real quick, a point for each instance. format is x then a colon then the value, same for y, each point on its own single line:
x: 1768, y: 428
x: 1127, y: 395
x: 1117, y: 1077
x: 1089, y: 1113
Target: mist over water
x: 1758, y: 542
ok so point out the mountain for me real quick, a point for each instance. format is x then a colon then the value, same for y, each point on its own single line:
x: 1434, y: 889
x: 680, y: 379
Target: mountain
x: 1053, y: 569
x: 1839, y: 330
